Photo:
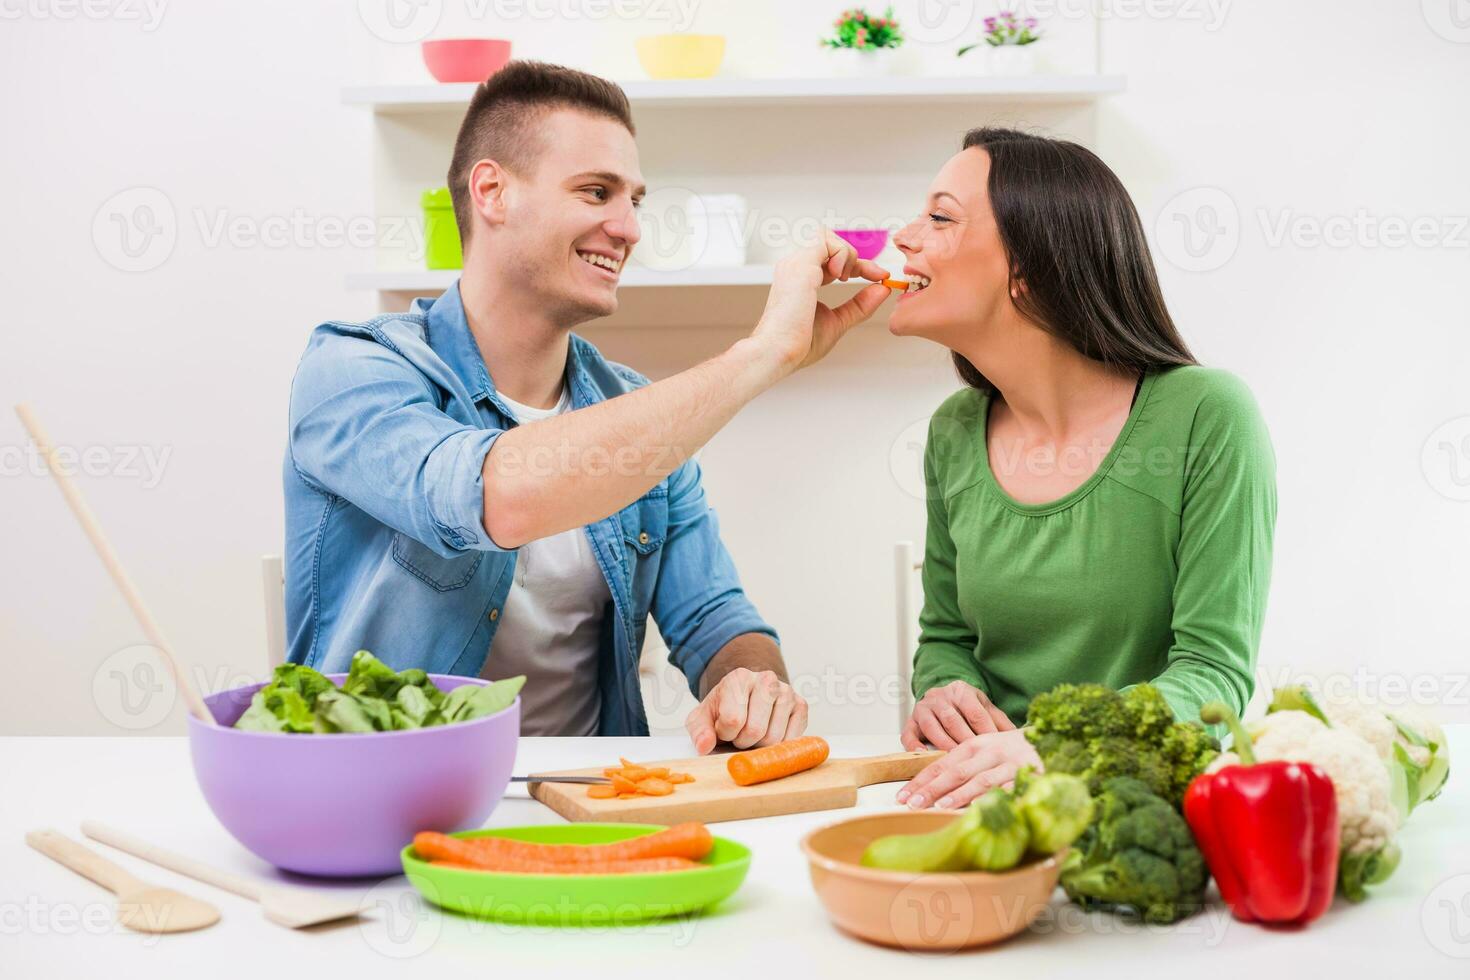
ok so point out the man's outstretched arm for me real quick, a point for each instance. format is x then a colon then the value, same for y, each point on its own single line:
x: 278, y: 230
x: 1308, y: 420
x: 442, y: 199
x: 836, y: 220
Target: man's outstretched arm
x: 574, y: 469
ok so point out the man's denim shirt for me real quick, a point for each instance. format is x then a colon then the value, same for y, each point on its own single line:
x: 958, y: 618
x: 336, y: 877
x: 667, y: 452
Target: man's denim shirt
x: 386, y: 548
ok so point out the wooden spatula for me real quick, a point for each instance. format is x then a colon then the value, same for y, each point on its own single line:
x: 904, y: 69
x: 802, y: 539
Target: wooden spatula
x: 113, y: 564
x: 291, y: 907
x: 140, y: 906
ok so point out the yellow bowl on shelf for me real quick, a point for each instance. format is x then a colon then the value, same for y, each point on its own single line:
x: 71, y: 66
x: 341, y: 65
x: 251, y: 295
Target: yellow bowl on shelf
x: 681, y: 55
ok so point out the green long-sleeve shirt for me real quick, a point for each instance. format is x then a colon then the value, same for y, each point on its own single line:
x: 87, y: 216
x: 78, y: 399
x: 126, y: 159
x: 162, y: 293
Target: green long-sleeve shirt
x: 1155, y: 569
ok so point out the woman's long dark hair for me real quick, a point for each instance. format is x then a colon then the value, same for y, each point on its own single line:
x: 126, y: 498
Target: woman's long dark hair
x: 1073, y: 239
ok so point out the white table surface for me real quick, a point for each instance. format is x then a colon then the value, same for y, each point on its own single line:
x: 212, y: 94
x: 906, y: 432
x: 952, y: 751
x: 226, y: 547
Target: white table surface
x: 53, y: 923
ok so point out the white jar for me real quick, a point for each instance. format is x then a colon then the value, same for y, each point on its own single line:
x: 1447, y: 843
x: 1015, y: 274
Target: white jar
x: 723, y: 233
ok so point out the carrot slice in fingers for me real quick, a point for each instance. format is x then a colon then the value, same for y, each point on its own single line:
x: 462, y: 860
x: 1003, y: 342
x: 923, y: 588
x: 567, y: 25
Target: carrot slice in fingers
x: 775, y: 761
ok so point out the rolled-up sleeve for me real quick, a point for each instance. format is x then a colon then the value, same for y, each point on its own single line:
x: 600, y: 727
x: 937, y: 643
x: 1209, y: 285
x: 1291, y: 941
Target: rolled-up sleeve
x: 367, y: 426
x: 698, y: 602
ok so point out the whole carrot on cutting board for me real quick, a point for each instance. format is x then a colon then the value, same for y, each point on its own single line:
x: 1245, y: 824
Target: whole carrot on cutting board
x: 775, y: 761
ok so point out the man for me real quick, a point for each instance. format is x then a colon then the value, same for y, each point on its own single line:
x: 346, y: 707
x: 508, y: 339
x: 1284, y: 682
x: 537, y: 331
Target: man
x: 472, y: 489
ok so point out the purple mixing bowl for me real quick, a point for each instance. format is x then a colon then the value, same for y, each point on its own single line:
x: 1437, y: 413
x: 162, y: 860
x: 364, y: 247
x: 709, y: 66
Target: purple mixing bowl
x: 867, y: 242
x: 346, y: 805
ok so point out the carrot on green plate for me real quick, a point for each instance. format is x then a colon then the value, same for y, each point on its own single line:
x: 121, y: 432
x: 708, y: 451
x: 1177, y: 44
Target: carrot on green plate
x: 507, y: 865
x: 686, y: 840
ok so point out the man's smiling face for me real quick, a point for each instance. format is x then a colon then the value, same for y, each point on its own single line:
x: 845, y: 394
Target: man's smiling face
x: 571, y: 221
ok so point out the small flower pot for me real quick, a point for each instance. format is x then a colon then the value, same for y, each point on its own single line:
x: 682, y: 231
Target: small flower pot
x: 1011, y: 59
x: 861, y: 62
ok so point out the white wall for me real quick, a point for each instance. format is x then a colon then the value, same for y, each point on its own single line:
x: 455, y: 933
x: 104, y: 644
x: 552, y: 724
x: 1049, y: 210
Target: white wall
x: 1311, y: 110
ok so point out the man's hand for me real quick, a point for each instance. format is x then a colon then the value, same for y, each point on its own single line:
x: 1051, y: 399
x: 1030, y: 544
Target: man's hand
x: 747, y: 708
x: 970, y: 769
x: 800, y: 330
x: 948, y: 715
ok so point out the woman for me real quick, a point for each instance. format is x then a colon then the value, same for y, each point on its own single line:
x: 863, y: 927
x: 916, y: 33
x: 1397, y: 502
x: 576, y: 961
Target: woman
x: 1101, y: 508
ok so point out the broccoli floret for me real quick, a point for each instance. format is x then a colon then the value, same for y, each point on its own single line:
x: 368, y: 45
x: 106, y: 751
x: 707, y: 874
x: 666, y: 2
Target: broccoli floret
x: 1096, y: 733
x: 1115, y: 756
x: 1081, y: 711
x: 1149, y: 715
x: 1186, y: 749
x: 1061, y: 754
x: 1139, y: 855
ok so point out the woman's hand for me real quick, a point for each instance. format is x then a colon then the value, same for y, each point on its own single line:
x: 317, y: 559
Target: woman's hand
x: 948, y: 715
x: 978, y: 764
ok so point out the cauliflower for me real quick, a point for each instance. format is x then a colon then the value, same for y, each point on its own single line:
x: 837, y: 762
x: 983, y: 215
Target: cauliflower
x: 1410, y: 743
x: 1366, y: 815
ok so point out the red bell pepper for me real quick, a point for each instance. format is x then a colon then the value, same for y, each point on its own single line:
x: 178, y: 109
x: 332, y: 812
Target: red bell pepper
x: 1267, y: 830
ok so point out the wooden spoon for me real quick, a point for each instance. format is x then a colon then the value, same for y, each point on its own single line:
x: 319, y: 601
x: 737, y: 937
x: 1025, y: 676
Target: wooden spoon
x: 291, y: 907
x: 140, y: 906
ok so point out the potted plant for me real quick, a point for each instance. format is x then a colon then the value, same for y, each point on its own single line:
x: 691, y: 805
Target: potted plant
x: 863, y: 44
x: 1007, y: 40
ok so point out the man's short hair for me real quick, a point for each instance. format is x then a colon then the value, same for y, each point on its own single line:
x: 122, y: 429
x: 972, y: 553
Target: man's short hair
x: 504, y: 115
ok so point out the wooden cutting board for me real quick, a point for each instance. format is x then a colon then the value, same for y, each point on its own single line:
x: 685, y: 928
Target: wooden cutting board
x: 714, y: 796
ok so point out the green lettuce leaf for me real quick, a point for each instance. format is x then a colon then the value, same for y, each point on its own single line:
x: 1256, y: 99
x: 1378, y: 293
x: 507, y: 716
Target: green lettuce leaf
x: 474, y: 701
x: 373, y: 698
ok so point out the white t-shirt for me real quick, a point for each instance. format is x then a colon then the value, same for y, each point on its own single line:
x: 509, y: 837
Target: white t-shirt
x: 551, y: 622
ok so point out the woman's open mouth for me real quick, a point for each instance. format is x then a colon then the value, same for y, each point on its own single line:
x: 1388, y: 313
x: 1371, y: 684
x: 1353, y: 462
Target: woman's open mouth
x: 917, y: 284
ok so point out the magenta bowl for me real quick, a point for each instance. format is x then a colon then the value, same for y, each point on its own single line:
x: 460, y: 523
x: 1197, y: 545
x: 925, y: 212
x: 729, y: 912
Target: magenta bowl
x: 465, y: 59
x: 868, y: 242
x: 345, y: 805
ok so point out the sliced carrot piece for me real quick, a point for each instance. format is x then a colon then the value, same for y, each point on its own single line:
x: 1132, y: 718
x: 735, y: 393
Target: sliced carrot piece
x: 601, y: 791
x: 628, y: 796
x: 656, y: 787
x: 657, y: 772
x: 623, y: 784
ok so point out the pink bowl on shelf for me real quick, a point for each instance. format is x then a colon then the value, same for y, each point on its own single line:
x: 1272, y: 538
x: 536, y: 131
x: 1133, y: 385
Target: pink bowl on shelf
x: 465, y: 59
x: 867, y: 241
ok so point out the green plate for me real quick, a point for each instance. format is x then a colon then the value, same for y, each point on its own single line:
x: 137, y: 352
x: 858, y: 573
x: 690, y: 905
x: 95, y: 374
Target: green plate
x: 589, y: 900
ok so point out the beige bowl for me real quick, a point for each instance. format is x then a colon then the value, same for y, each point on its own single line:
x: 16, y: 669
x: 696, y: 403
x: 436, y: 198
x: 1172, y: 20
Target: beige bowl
x: 934, y: 911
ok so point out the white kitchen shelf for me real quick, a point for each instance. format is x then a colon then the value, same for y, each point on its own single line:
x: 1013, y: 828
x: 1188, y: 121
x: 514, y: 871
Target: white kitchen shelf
x: 771, y: 92
x: 433, y: 281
